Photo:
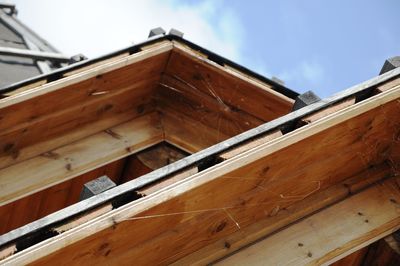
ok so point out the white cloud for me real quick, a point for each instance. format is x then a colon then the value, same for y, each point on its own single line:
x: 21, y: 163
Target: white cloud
x: 309, y: 72
x: 96, y: 27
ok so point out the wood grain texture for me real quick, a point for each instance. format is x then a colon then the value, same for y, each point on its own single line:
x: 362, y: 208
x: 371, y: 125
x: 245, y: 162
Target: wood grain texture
x: 234, y: 91
x: 82, y: 156
x: 354, y: 259
x: 279, y: 218
x: 187, y: 133
x: 205, y: 212
x: 52, y: 114
x: 251, y: 144
x: 329, y: 110
x: 201, y: 209
x: 323, y: 238
x: 42, y: 203
x: 211, y: 110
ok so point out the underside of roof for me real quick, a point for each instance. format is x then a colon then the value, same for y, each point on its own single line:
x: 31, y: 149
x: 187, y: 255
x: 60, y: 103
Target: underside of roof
x: 211, y: 163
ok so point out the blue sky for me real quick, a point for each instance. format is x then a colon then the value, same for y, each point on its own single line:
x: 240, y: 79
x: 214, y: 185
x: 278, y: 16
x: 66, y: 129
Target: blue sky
x: 324, y: 46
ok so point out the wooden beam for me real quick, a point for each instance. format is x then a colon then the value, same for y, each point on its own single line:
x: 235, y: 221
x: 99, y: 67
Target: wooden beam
x: 388, y: 85
x: 190, y: 135
x: 331, y: 234
x: 52, y: 199
x: 281, y: 218
x: 156, y: 219
x: 354, y: 259
x: 234, y: 89
x: 26, y: 140
x: 64, y: 163
x: 329, y: 110
x: 84, y: 75
x: 251, y: 144
x: 213, y: 111
x: 121, y: 86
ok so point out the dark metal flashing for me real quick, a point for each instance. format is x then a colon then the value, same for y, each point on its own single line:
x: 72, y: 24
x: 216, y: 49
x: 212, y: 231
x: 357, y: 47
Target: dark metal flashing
x: 10, y: 7
x: 96, y: 186
x: 203, y: 160
x: 59, y: 73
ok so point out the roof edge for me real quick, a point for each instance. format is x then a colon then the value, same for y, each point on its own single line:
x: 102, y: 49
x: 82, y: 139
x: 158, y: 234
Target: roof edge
x: 59, y: 73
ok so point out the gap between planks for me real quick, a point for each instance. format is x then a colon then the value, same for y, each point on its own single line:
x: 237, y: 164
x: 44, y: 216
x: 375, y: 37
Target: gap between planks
x: 129, y: 210
x: 331, y: 234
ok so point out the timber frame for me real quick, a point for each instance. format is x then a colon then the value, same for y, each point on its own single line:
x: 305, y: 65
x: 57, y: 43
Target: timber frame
x: 70, y: 229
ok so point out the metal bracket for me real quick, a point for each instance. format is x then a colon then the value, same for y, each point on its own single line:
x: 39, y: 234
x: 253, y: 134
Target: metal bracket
x: 305, y: 99
x: 96, y: 187
x: 390, y: 64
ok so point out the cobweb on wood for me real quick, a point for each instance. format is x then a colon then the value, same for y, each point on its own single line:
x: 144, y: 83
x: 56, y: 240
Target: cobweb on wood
x: 385, y: 150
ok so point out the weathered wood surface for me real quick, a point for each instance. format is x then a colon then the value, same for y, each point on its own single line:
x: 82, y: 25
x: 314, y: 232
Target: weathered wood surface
x: 191, y: 135
x: 354, y: 259
x: 260, y: 100
x: 328, y: 235
x: 197, y: 212
x: 280, y: 218
x: 68, y: 161
x: 52, y: 199
x: 100, y: 93
x: 194, y: 213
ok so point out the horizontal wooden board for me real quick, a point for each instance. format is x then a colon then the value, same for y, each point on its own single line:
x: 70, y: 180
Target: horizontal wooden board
x: 52, y: 199
x: 207, y: 110
x: 187, y: 133
x: 82, y: 156
x: 279, y: 218
x: 330, y: 234
x: 123, y: 85
x: 215, y: 81
x: 209, y: 177
x: 67, y: 125
x: 204, y: 212
x: 329, y: 110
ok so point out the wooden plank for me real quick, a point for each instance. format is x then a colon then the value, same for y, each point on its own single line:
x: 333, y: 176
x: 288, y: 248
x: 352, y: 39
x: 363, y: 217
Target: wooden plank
x: 150, y: 159
x: 82, y: 156
x: 354, y: 259
x: 44, y: 116
x: 211, y: 110
x: 280, y: 218
x: 212, y: 79
x: 24, y: 88
x: 56, y: 129
x: 190, y: 135
x: 107, y: 90
x: 147, y: 190
x: 388, y: 85
x: 179, y: 211
x: 95, y: 88
x: 160, y: 155
x: 329, y: 110
x: 63, y: 84
x: 66, y: 138
x: 251, y: 144
x: 102, y: 62
x: 233, y: 71
x: 326, y: 236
